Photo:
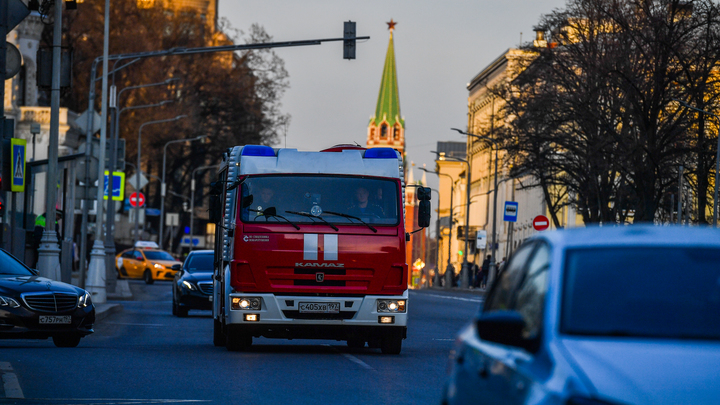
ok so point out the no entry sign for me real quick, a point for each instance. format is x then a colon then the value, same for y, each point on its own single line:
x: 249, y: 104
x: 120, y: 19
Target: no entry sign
x: 541, y: 223
x: 137, y: 199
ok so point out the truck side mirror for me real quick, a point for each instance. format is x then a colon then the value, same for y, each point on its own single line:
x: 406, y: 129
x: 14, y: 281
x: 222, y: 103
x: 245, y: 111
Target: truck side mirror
x: 214, y: 209
x: 424, y: 214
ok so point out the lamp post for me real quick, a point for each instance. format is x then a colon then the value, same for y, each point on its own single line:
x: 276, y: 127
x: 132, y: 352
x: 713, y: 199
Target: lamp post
x: 110, y: 273
x: 464, y: 270
x: 448, y: 276
x: 717, y: 164
x: 493, y: 266
x: 192, y: 200
x: 137, y: 169
x: 162, y: 184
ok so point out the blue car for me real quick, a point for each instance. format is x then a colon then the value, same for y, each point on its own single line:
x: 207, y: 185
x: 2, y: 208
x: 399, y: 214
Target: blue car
x: 614, y: 315
x: 193, y: 284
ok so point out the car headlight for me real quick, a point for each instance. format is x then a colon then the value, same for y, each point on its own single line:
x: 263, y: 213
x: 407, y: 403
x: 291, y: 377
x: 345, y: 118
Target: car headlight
x: 190, y: 286
x: 85, y: 301
x: 391, y: 305
x: 158, y: 266
x: 246, y: 303
x: 8, y: 302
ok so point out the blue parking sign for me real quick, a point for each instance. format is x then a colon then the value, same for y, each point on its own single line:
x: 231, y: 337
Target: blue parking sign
x: 511, y: 211
x: 118, y: 187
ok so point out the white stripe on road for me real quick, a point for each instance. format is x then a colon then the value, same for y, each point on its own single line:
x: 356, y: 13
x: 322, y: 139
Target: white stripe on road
x: 352, y: 358
x: 455, y: 298
x: 11, y: 386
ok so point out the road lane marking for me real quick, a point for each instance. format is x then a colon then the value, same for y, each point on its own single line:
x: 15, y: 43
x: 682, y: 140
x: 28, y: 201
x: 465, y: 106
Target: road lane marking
x: 454, y: 298
x: 445, y: 340
x: 11, y: 386
x: 352, y: 358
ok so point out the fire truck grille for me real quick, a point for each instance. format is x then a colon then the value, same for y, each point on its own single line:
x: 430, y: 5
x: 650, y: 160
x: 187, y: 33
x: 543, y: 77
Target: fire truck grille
x: 50, y: 302
x: 325, y: 283
x: 333, y: 317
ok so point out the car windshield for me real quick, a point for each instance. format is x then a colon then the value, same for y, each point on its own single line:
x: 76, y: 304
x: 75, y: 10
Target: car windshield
x: 9, y: 266
x: 312, y: 199
x: 158, y: 255
x: 199, y: 262
x: 646, y: 292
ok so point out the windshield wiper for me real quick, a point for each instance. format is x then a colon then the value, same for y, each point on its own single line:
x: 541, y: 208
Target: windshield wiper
x: 272, y: 212
x: 352, y: 217
x: 305, y: 214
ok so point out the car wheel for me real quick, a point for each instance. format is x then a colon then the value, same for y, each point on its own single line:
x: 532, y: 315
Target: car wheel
x: 182, y: 312
x: 66, y: 340
x: 147, y: 276
x: 218, y: 336
x: 391, y: 344
x: 237, y: 340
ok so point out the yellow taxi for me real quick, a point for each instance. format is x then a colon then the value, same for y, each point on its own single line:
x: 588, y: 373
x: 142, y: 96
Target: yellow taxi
x: 148, y: 262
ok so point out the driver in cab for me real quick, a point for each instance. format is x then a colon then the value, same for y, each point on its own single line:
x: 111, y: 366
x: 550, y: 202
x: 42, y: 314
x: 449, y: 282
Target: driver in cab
x: 266, y: 201
x: 363, y: 207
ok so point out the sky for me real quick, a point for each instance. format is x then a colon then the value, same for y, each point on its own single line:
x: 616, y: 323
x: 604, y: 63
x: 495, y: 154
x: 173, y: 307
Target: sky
x: 439, y: 47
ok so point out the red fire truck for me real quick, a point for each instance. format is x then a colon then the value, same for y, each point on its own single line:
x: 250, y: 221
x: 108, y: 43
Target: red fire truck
x: 311, y: 245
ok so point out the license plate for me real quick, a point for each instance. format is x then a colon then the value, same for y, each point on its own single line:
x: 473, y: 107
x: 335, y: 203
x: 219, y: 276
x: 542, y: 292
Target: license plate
x: 319, y: 307
x: 60, y: 320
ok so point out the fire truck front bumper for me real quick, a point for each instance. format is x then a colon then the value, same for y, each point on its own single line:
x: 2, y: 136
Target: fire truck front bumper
x: 376, y: 311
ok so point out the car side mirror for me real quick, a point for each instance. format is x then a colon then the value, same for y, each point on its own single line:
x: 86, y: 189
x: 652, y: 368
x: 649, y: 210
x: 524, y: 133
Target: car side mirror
x: 504, y: 327
x: 176, y: 267
x: 424, y: 214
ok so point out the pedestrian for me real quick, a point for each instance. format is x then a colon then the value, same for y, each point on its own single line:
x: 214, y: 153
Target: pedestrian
x: 485, y: 270
x: 476, y: 275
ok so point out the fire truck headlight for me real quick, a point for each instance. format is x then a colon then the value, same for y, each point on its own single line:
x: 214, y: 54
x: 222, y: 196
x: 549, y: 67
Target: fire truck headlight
x: 391, y: 305
x: 246, y: 303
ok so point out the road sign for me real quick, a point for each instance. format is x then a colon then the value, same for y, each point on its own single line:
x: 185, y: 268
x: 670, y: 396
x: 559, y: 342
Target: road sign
x: 118, y: 188
x: 17, y: 169
x: 137, y: 199
x: 133, y: 180
x: 82, y: 122
x: 511, y: 211
x: 481, y: 239
x: 541, y: 223
x: 16, y: 12
x: 172, y: 219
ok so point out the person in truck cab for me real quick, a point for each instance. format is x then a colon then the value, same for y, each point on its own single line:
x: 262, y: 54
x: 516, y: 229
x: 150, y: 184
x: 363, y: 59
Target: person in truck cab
x: 363, y: 207
x: 265, y: 201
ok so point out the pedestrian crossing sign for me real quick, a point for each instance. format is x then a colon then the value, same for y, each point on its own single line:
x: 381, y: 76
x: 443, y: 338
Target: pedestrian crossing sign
x: 18, y: 148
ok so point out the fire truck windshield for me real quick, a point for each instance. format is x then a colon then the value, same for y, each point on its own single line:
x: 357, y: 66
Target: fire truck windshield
x: 304, y: 198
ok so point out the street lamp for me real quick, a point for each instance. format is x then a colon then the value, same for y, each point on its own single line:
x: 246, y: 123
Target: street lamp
x: 495, y: 195
x: 464, y: 270
x: 717, y: 162
x: 192, y: 200
x: 448, y: 276
x: 162, y: 184
x: 110, y: 274
x: 137, y: 169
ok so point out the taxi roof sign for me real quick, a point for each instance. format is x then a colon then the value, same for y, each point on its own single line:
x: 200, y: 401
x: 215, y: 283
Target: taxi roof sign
x: 145, y: 244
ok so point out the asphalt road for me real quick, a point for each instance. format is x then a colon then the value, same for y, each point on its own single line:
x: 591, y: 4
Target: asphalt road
x: 144, y: 355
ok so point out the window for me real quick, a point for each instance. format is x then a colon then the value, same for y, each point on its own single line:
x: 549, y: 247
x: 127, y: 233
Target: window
x: 199, y: 263
x: 158, y: 255
x: 501, y: 294
x: 383, y: 131
x: 530, y: 300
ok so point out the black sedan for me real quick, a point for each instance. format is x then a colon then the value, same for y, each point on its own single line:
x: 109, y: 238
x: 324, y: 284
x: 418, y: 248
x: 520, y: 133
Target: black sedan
x: 193, y: 285
x: 34, y: 307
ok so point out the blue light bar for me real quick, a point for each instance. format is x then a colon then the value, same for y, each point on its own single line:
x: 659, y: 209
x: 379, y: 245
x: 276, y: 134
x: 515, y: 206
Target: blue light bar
x: 381, y: 153
x: 257, y: 150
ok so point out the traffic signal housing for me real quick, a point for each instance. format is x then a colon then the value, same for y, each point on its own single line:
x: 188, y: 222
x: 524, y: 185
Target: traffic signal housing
x: 349, y: 41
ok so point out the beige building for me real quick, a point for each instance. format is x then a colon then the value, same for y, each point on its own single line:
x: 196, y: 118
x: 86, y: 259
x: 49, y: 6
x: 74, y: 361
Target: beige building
x: 485, y: 117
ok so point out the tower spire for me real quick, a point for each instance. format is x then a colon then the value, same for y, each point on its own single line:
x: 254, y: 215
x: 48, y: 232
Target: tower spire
x: 387, y: 127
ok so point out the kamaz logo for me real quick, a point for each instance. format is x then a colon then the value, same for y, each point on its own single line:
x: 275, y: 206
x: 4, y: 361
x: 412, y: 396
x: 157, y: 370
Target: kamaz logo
x: 320, y: 265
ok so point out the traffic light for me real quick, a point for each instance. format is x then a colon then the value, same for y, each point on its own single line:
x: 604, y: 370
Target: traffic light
x: 460, y: 253
x: 349, y: 44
